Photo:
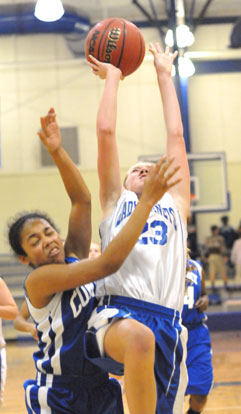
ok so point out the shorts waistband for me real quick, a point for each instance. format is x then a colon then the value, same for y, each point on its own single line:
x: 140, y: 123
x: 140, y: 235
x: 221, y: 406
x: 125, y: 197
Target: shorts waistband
x: 50, y: 380
x: 142, y: 305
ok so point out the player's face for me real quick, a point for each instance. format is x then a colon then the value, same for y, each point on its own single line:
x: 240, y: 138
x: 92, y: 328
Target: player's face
x: 136, y: 177
x: 41, y: 243
x: 94, y: 250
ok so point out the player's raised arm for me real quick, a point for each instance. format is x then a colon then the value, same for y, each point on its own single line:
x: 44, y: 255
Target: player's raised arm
x: 163, y: 62
x: 108, y: 158
x: 79, y: 230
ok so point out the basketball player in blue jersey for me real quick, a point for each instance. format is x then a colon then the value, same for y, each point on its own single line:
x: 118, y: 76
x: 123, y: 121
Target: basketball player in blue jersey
x: 60, y: 290
x: 149, y: 287
x: 199, y: 352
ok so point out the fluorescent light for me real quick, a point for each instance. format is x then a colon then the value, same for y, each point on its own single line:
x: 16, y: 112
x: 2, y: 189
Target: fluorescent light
x: 185, y: 37
x: 49, y: 10
x: 185, y: 67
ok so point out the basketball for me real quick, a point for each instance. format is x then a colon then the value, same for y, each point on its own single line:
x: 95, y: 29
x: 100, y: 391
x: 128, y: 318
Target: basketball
x: 116, y: 41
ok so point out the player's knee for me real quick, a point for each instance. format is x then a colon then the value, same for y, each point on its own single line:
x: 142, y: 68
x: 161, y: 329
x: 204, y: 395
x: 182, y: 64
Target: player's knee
x: 199, y: 399
x: 142, y: 341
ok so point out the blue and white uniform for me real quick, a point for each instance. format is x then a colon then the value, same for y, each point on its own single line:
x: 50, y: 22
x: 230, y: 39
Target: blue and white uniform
x: 148, y: 287
x: 66, y: 382
x: 199, y: 352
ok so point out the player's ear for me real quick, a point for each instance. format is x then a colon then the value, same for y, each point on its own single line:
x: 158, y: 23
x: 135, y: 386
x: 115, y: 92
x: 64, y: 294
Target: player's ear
x: 24, y: 259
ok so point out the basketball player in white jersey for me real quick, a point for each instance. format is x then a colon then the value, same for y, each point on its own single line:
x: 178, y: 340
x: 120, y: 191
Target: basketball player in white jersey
x: 149, y: 286
x: 9, y: 311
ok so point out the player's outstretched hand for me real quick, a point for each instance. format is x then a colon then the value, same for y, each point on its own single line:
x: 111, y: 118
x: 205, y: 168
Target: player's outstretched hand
x: 160, y: 178
x: 163, y: 61
x: 50, y: 133
x: 101, y: 68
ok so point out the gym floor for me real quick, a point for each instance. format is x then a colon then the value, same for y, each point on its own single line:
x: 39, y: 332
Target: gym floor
x: 224, y: 398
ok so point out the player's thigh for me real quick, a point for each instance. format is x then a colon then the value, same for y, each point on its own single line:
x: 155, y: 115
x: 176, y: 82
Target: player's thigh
x: 128, y: 335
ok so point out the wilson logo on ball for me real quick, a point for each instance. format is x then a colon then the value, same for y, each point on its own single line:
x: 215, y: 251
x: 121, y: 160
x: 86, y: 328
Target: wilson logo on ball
x: 113, y: 38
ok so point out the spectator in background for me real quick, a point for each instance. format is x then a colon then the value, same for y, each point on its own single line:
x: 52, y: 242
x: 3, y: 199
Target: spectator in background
x: 192, y: 236
x: 228, y: 232
x: 236, y: 258
x: 9, y: 311
x: 216, y: 250
x: 95, y: 250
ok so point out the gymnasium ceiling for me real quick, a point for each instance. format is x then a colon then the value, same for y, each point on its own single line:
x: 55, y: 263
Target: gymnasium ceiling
x: 152, y: 13
x: 99, y: 9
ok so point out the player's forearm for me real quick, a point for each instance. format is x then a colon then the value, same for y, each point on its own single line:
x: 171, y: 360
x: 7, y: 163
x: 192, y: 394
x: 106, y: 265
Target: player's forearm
x: 72, y: 179
x: 22, y: 325
x: 8, y: 312
x: 171, y: 109
x: 107, y: 114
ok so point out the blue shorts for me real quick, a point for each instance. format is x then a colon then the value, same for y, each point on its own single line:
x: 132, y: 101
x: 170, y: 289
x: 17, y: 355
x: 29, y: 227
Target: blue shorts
x: 170, y: 369
x: 53, y: 394
x: 199, y: 361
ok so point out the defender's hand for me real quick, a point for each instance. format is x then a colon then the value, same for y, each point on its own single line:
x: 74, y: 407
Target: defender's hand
x: 50, y: 133
x: 163, y: 61
x: 159, y: 180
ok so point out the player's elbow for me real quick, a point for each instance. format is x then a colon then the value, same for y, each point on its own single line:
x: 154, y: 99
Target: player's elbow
x: 110, y: 266
x: 104, y: 130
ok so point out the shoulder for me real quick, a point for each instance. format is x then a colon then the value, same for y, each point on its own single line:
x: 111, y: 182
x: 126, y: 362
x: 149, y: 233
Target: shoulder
x: 2, y: 282
x: 125, y: 197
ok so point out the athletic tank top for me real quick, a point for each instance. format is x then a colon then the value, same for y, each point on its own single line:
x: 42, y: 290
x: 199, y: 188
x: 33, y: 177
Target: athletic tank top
x: 61, y: 326
x: 154, y: 271
x: 191, y: 315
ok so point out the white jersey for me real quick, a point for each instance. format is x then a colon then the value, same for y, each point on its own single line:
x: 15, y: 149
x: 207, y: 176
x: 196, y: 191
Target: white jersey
x: 155, y: 269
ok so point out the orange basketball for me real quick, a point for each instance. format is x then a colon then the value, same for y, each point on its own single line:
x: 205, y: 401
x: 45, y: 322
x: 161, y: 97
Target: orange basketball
x: 116, y: 41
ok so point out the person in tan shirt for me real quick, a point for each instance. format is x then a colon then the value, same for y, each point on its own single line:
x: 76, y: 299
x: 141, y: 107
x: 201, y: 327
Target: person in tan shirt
x: 216, y: 249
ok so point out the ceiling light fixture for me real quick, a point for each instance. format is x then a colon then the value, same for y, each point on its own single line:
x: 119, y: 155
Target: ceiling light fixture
x: 185, y: 37
x: 49, y: 10
x: 185, y: 67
